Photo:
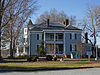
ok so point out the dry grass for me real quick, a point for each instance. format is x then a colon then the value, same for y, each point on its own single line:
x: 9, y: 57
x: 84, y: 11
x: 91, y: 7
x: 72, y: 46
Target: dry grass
x: 97, y: 64
x: 46, y: 64
x: 66, y: 63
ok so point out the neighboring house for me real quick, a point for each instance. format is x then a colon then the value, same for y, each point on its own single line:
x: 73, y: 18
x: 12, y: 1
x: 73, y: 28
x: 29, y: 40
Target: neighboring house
x: 59, y: 38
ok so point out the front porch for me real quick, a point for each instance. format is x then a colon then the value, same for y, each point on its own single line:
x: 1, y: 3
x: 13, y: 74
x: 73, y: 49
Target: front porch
x: 54, y: 42
x: 51, y: 50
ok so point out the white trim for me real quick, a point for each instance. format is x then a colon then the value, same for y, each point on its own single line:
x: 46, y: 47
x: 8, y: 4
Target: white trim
x: 62, y: 30
x: 64, y: 42
x: 44, y: 40
x: 53, y: 32
x: 57, y: 31
x: 36, y: 31
x: 54, y: 43
x: 24, y: 50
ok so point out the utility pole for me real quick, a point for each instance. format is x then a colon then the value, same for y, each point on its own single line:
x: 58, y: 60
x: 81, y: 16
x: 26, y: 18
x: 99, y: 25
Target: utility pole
x: 96, y: 38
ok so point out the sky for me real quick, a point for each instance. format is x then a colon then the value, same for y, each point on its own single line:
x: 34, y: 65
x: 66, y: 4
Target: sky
x: 70, y: 7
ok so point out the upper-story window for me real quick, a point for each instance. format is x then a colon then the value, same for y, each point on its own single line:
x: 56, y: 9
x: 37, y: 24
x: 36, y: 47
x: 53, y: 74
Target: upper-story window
x: 75, y: 36
x: 70, y: 36
x: 60, y: 36
x: 51, y: 36
x: 37, y: 36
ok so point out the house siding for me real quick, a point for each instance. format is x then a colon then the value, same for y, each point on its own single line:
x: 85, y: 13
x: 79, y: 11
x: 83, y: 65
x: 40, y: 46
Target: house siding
x: 34, y: 42
x: 69, y: 41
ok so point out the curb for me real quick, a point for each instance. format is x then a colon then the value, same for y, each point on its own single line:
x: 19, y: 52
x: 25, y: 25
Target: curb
x: 44, y: 69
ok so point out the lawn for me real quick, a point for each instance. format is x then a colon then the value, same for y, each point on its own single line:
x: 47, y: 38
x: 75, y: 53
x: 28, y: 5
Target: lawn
x: 67, y: 63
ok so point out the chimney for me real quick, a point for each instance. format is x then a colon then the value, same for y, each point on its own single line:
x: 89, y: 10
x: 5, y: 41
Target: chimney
x: 47, y: 23
x: 66, y: 22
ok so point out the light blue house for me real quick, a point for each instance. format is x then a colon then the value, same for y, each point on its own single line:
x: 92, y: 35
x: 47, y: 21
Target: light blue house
x: 59, y: 38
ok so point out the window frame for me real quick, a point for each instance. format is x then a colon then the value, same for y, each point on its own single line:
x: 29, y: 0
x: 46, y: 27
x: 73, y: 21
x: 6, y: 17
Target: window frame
x: 37, y: 46
x: 70, y: 47
x: 70, y: 36
x: 37, y: 36
x: 75, y: 36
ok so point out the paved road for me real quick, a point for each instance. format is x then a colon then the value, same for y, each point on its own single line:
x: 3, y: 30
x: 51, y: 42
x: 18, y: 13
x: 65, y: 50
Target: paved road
x: 91, y: 71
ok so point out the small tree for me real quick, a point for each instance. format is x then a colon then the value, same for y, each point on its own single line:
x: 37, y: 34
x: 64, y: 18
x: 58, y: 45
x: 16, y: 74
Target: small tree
x: 41, y: 50
x: 80, y: 47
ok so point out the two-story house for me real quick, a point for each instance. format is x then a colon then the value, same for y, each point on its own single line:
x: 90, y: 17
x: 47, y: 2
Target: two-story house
x: 59, y: 38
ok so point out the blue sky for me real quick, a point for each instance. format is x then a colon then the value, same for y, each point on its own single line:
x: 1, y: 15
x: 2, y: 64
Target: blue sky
x: 70, y: 7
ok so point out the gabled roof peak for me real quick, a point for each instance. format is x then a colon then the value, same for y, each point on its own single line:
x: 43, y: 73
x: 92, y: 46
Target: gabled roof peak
x: 29, y: 22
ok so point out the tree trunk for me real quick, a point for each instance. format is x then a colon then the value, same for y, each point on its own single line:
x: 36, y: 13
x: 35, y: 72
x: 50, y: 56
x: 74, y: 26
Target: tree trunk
x: 1, y: 13
x: 11, y: 42
x: 0, y: 27
x: 13, y: 47
x: 11, y: 50
x: 0, y: 34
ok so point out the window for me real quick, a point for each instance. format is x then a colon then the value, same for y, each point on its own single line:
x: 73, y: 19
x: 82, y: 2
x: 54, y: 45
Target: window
x: 75, y: 47
x: 25, y: 39
x: 60, y: 36
x: 70, y: 47
x: 70, y: 36
x: 40, y: 36
x: 75, y: 36
x: 37, y: 36
x: 52, y: 37
x: 37, y: 46
x: 25, y: 30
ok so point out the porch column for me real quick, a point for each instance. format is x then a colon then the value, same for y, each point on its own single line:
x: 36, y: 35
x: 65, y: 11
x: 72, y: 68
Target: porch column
x: 54, y: 43
x: 17, y: 50
x: 24, y: 49
x: 64, y: 42
x: 44, y: 40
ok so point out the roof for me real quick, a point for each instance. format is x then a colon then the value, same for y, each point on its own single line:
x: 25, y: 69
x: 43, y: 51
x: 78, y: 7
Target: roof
x: 52, y: 26
x: 29, y: 24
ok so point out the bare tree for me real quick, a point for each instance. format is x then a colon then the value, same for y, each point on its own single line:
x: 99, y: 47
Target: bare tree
x: 91, y: 23
x: 53, y: 15
x: 13, y: 15
x: 61, y: 16
x: 80, y: 47
x: 72, y: 20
